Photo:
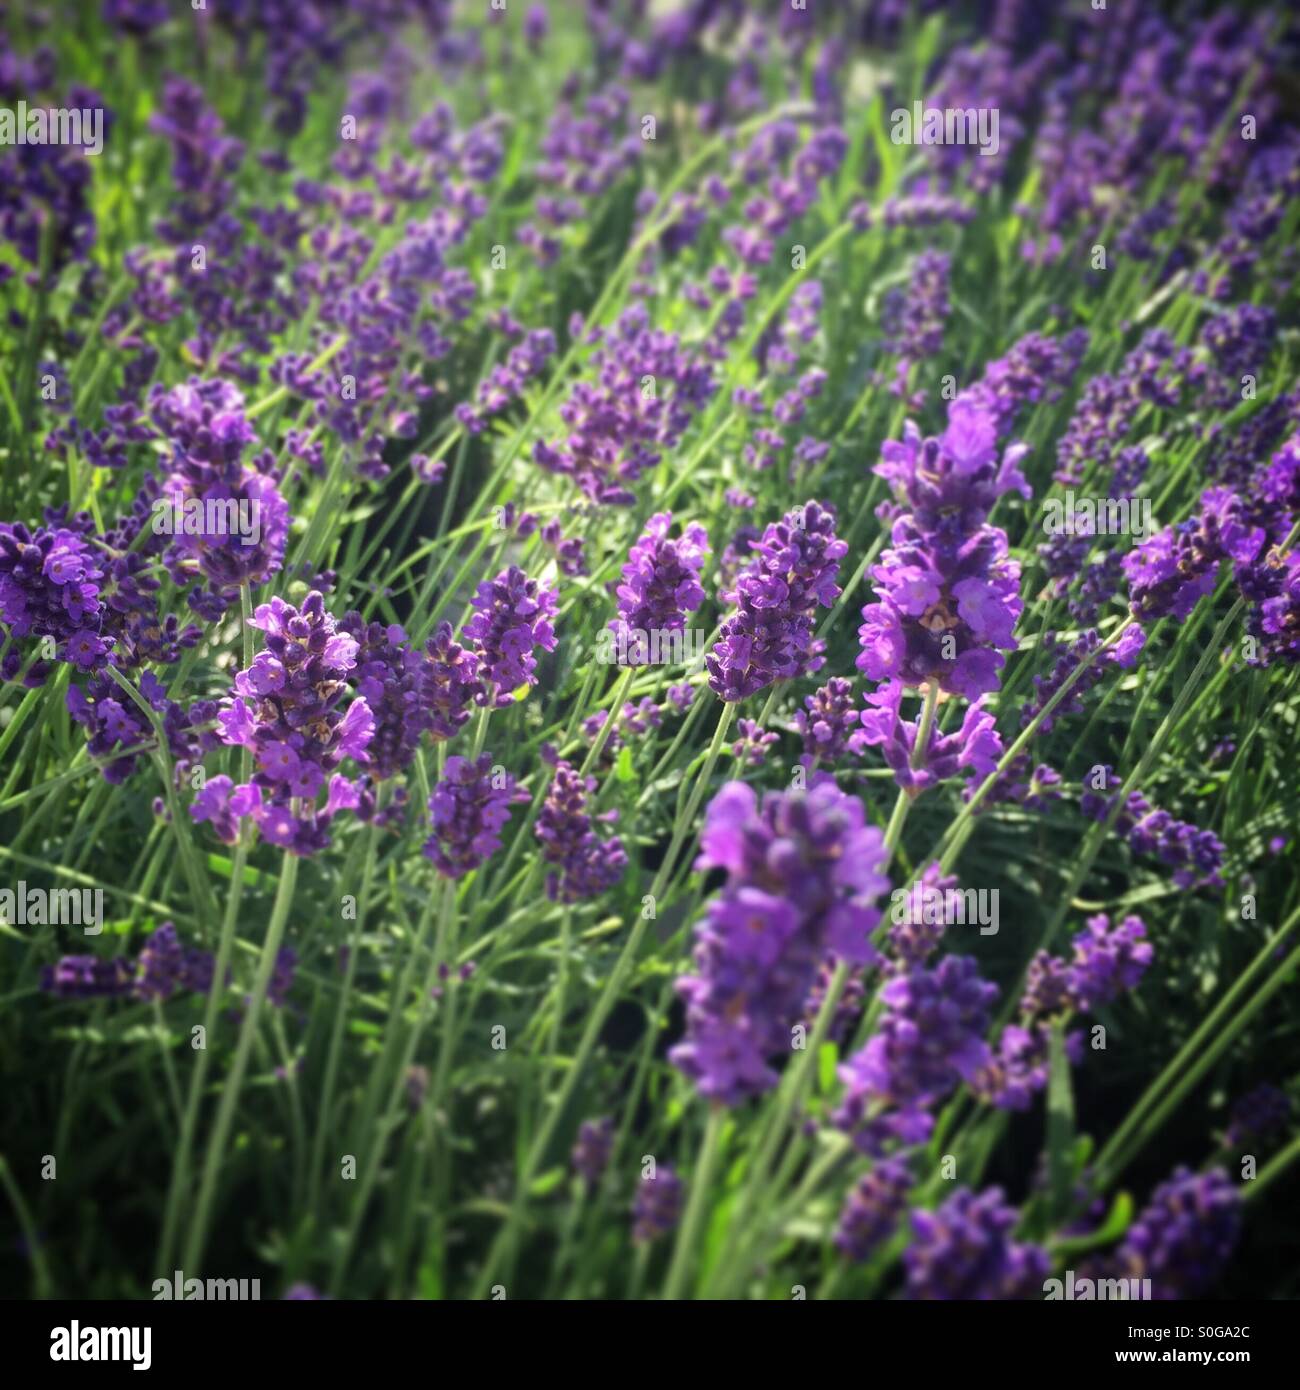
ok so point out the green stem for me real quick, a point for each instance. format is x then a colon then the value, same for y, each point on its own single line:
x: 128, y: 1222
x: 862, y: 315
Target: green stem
x: 234, y: 1082
x: 701, y: 1180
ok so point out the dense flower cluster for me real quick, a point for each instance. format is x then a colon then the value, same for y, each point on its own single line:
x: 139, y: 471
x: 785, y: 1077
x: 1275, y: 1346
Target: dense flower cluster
x: 658, y: 1205
x: 1184, y: 1236
x: 1258, y: 1115
x: 163, y: 966
x: 802, y: 880
x: 975, y: 745
x: 830, y: 723
x: 468, y: 808
x: 948, y: 591
x: 963, y: 1249
x: 582, y: 864
x: 592, y: 1149
x: 661, y: 584
x: 873, y: 1209
x: 287, y: 711
x: 512, y: 617
x: 929, y: 1039
x: 769, y: 637
x: 1195, y: 855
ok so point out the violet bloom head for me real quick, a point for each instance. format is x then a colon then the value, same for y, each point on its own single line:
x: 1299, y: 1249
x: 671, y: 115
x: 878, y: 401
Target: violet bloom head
x: 769, y: 637
x: 164, y: 966
x: 943, y: 614
x: 389, y: 676
x: 1107, y: 962
x: 830, y: 723
x: 592, y: 1149
x: 287, y: 709
x: 449, y: 683
x: 1258, y: 1115
x: 872, y: 1209
x: 975, y: 745
x: 469, y: 807
x: 50, y: 585
x: 929, y: 1040
x: 964, y: 1250
x: 658, y: 1205
x: 661, y: 584
x: 1185, y: 1235
x: 512, y: 617
x: 803, y: 875
x: 918, y: 918
x: 582, y: 864
x: 949, y: 484
x: 88, y: 977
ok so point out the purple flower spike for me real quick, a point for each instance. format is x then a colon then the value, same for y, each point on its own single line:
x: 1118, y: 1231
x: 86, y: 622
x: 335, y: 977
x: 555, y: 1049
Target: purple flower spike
x: 872, y: 1210
x: 930, y: 1039
x: 803, y: 874
x: 585, y: 866
x: 1107, y: 962
x: 592, y: 1150
x: 658, y: 1205
x: 469, y: 807
x: 287, y: 710
x: 975, y: 745
x: 770, y: 636
x: 512, y: 617
x: 661, y: 584
x: 963, y: 1250
x: 1184, y: 1236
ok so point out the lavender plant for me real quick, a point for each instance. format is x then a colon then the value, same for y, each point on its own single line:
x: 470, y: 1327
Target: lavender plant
x: 526, y: 590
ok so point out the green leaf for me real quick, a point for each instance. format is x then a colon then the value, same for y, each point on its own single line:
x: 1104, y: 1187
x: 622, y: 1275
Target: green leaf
x: 827, y: 1058
x: 547, y: 1182
x: 1060, y: 1124
x: 1116, y: 1223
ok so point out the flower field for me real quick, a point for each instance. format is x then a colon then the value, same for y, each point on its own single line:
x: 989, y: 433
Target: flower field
x: 649, y: 650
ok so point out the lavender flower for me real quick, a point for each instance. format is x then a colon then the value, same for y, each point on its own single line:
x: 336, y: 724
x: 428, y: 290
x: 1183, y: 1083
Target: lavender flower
x: 286, y: 709
x: 658, y: 1205
x: 592, y: 1150
x: 830, y: 723
x: 165, y: 966
x: 751, y: 748
x: 1195, y: 855
x: 975, y: 745
x: 963, y: 1249
x: 88, y: 977
x: 1184, y: 1236
x: 769, y: 637
x: 469, y: 807
x: 802, y: 879
x: 930, y: 1039
x: 873, y: 1208
x: 511, y: 618
x: 661, y: 583
x: 1107, y: 962
x: 585, y: 866
x: 1257, y: 1115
